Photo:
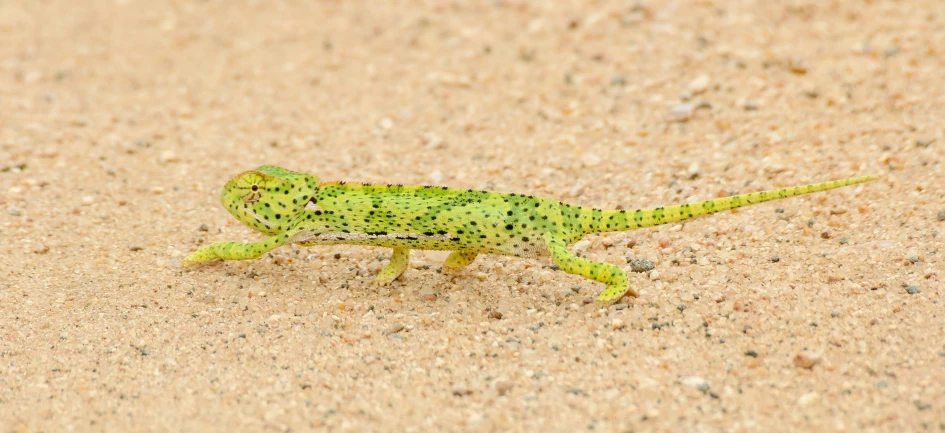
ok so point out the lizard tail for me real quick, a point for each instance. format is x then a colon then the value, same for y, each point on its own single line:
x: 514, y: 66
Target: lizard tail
x: 599, y: 221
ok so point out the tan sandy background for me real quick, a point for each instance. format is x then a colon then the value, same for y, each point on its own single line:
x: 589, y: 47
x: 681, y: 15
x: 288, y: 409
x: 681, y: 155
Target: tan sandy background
x: 121, y: 120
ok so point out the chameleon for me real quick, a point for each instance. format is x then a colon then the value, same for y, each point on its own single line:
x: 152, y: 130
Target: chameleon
x: 296, y: 208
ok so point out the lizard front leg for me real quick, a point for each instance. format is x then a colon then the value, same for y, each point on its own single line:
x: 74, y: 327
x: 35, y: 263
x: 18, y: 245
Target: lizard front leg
x: 615, y: 278
x: 235, y: 250
x: 396, y: 267
x: 458, y: 259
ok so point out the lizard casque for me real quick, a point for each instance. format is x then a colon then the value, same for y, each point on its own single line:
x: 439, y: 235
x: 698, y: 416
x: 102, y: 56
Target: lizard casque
x: 294, y: 207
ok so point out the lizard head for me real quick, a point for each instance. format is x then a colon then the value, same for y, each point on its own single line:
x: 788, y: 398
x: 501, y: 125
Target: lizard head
x: 269, y: 198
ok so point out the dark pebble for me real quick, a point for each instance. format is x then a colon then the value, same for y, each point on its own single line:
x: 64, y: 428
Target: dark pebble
x: 775, y: 259
x: 912, y: 290
x: 641, y: 265
x: 751, y: 353
x: 941, y: 215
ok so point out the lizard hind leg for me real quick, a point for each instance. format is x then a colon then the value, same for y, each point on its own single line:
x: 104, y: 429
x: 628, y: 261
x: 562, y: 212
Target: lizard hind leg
x: 457, y: 260
x: 396, y: 267
x: 618, y: 284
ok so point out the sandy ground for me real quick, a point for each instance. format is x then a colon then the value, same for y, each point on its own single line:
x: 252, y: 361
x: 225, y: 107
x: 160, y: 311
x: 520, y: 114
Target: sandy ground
x: 121, y: 120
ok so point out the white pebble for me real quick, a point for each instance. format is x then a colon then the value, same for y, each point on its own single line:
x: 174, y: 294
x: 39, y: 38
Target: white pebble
x: 617, y: 324
x: 699, y: 84
x: 681, y: 113
x: 168, y: 156
x: 693, y: 381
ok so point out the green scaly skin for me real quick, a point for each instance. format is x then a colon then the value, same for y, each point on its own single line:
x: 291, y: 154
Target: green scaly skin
x: 294, y: 207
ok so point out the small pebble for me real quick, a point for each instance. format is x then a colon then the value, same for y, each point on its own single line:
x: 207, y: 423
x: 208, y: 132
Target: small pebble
x: 203, y: 228
x: 681, y: 113
x: 751, y: 353
x: 694, y: 381
x: 806, y: 359
x: 41, y: 249
x: 825, y: 234
x: 641, y: 265
x: 808, y: 398
x: 775, y: 259
x: 168, y: 156
x: 393, y: 329
x: 495, y: 315
x: 798, y: 66
x: 912, y: 290
x: 693, y: 170
x: 941, y: 215
x: 428, y: 294
x: 699, y: 84
x: 751, y: 105
x: 14, y: 212
x: 135, y: 248
x: 502, y: 387
x: 924, y: 142
x: 617, y: 324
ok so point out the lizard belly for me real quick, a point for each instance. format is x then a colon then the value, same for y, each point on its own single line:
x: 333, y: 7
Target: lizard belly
x: 421, y: 241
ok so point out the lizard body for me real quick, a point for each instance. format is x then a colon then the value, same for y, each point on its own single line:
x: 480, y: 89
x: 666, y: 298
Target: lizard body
x: 294, y: 207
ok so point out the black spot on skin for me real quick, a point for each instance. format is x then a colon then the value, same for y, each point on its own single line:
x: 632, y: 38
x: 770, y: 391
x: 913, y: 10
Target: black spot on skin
x: 508, y: 227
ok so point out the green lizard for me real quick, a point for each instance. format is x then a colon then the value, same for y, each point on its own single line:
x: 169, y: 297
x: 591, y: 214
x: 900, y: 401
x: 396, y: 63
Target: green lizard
x: 294, y: 207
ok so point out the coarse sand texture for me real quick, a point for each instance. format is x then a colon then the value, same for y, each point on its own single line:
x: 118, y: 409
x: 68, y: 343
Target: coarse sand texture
x: 121, y: 121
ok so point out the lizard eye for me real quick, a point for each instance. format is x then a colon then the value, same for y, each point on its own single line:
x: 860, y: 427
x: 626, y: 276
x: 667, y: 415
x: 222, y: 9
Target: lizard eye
x: 255, y: 187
